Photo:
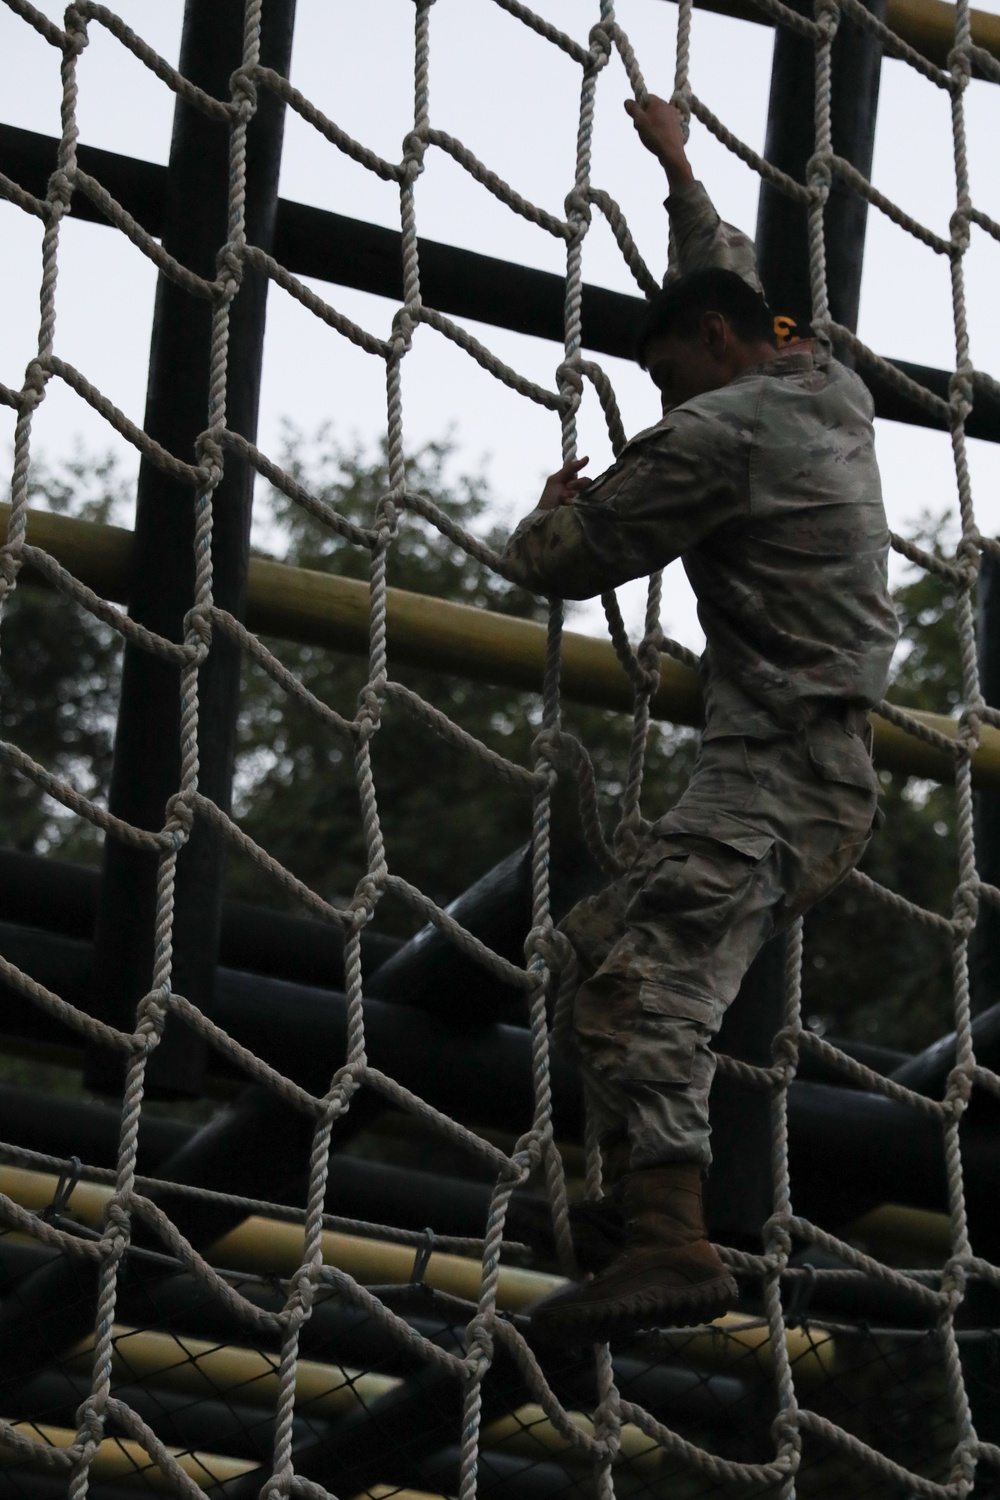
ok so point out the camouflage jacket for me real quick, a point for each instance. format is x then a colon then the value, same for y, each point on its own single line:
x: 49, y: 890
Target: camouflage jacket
x: 769, y: 492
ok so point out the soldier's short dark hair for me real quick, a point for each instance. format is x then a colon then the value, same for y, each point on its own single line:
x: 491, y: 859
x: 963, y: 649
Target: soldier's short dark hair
x: 678, y: 309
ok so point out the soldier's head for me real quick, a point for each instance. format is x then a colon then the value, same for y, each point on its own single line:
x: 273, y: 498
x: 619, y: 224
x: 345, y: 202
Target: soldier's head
x: 702, y: 331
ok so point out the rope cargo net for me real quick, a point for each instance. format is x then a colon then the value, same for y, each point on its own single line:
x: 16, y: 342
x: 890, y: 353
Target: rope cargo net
x: 615, y: 1429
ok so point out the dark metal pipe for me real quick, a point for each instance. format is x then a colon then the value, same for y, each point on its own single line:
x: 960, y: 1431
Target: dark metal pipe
x: 813, y: 1068
x: 484, y: 1078
x: 313, y: 242
x: 22, y: 1483
x: 265, y: 1144
x: 371, y: 1191
x: 782, y: 235
x: 147, y: 759
x: 62, y: 897
x: 927, y: 1072
x: 740, y: 1192
x: 431, y: 973
x: 228, y: 1426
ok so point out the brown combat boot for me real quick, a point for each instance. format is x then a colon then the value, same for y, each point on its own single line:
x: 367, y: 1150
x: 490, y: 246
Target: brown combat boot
x: 668, y: 1273
x: 598, y: 1225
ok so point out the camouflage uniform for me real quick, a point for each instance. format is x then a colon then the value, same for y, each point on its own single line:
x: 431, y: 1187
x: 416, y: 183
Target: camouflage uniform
x: 768, y: 491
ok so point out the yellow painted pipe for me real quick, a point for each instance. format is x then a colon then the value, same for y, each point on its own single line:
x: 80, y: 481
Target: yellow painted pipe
x: 928, y: 25
x: 392, y: 1492
x: 734, y: 1338
x: 911, y: 1238
x: 36, y: 1190
x: 259, y: 1244
x: 200, y: 1367
x: 275, y: 1247
x: 269, y: 1245
x: 125, y: 1459
x: 320, y: 609
x: 528, y: 1430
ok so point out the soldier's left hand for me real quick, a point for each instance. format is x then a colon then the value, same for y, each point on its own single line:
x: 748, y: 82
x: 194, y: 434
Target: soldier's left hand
x: 565, y: 486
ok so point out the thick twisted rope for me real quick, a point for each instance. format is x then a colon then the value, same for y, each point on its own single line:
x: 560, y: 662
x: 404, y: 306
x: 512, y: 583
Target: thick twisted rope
x: 547, y: 964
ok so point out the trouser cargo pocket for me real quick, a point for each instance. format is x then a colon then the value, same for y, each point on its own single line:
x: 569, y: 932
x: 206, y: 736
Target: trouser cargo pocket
x: 666, y: 1032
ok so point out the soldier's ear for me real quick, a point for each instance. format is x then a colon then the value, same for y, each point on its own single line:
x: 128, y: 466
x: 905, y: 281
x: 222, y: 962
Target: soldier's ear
x: 715, y: 332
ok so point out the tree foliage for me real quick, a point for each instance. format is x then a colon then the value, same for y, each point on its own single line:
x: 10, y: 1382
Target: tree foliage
x: 446, y: 817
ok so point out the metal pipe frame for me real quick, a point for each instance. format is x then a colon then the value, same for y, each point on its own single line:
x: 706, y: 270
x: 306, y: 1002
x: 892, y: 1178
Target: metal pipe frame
x: 146, y: 770
x: 928, y: 25
x: 484, y: 1079
x: 740, y: 1191
x: 58, y: 896
x: 321, y: 609
x: 348, y: 252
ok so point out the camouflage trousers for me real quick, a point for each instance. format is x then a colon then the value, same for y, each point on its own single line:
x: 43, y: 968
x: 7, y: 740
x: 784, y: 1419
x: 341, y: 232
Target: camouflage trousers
x: 764, y: 829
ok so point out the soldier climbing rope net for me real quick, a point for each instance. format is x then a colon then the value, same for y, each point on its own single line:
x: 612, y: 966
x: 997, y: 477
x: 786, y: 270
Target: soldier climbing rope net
x: 126, y: 1203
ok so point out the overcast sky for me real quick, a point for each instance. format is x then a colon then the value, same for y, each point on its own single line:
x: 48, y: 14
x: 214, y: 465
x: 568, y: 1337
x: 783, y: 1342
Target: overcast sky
x: 513, y: 99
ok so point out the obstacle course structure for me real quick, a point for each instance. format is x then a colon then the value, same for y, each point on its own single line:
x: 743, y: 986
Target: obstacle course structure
x: 248, y: 1304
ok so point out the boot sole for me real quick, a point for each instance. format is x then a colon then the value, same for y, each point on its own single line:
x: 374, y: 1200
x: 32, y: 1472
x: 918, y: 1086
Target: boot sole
x: 654, y: 1307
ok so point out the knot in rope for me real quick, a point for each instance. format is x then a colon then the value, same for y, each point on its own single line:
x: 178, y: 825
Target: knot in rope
x: 402, y: 333
x: 960, y: 67
x: 776, y: 1233
x: 627, y: 838
x: 965, y: 911
x: 117, y: 1218
x: 962, y: 391
x: 198, y: 624
x: 970, y: 726
x: 785, y: 1048
x: 958, y: 1090
x: 368, y: 720
x: 36, y: 377
x: 599, y: 46
x: 77, y: 35
x: 547, y: 745
x: 960, y: 229
x: 785, y: 1434
x: 954, y: 1278
x: 553, y: 947
x: 370, y: 888
x: 819, y: 175
x: 62, y: 184
x: 340, y: 1093
x: 479, y: 1345
x: 152, y: 1015
x: 967, y: 556
x: 827, y: 18
x: 648, y: 655
x: 10, y: 559
x: 569, y: 378
x: 302, y: 1295
x: 414, y: 151
x: 180, y: 819
x: 211, y: 457
x: 91, y: 1421
x: 243, y: 91
x: 608, y: 1425
x: 387, y: 518
x: 578, y: 211
x: 230, y: 261
x: 279, y: 1485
